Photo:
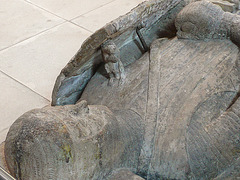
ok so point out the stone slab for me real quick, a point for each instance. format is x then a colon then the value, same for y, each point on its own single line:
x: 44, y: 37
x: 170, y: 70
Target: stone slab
x: 15, y: 100
x: 70, y: 9
x: 20, y: 20
x: 96, y: 19
x: 42, y: 57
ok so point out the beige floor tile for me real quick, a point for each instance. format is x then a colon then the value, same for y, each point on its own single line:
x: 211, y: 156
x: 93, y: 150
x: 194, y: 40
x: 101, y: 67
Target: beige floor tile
x: 99, y: 17
x: 38, y: 61
x: 20, y: 20
x: 69, y: 9
x: 15, y: 100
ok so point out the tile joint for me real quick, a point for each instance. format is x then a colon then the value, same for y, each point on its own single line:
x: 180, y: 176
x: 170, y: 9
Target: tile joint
x: 24, y: 85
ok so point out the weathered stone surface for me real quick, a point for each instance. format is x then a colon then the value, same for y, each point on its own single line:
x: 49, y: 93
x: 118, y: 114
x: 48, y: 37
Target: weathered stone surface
x: 75, y: 141
x: 232, y: 172
x: 167, y: 90
x: 228, y: 6
x: 187, y: 131
x: 175, y: 116
x: 203, y: 20
x: 157, y: 15
x: 125, y: 174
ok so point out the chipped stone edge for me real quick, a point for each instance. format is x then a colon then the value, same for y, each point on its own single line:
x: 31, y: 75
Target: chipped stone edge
x: 3, y: 163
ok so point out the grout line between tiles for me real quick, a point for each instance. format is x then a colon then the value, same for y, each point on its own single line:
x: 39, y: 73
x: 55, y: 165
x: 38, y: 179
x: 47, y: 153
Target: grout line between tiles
x: 65, y: 20
x: 70, y: 21
x: 72, y: 18
x: 44, y: 32
x: 25, y: 86
x: 44, y: 9
x: 92, y: 10
x: 81, y: 27
x: 62, y: 17
x: 32, y: 36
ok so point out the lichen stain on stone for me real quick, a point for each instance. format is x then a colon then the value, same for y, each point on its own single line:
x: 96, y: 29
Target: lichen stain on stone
x: 67, y: 153
x: 236, y: 151
x: 98, y: 154
x: 64, y: 131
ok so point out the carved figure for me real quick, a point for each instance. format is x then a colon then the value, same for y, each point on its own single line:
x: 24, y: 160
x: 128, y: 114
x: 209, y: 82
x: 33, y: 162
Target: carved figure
x: 111, y: 58
x: 176, y: 116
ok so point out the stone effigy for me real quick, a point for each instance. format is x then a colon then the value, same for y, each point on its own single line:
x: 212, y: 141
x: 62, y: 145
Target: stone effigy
x: 175, y: 114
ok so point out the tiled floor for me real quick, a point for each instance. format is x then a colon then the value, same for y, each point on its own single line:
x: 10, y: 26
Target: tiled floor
x: 37, y: 39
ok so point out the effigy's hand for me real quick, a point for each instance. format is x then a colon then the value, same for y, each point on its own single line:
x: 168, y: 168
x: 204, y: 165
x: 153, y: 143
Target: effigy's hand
x: 200, y: 20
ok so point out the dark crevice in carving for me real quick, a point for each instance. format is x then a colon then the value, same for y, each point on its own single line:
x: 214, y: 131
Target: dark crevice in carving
x: 233, y: 101
x: 142, y: 40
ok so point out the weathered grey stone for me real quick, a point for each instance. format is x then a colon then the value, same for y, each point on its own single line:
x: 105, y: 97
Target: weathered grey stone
x: 167, y: 89
x: 124, y: 174
x: 175, y: 116
x: 232, y: 172
x: 203, y: 20
x: 73, y: 142
x: 228, y: 6
x: 158, y: 16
